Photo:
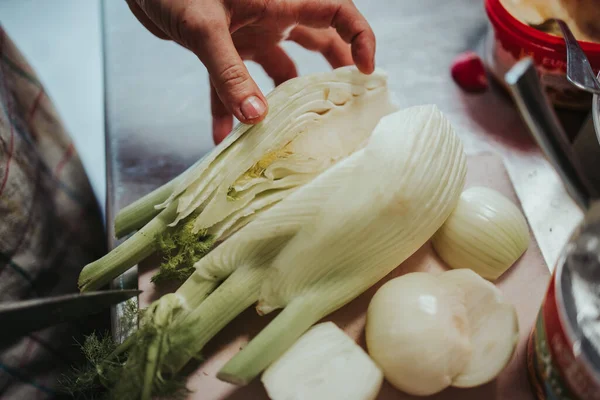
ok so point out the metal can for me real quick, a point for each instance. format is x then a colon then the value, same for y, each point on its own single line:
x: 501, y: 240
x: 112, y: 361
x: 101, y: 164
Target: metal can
x: 563, y: 356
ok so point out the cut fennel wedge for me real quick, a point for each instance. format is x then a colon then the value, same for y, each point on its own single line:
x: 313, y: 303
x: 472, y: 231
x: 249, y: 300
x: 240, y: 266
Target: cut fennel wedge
x: 314, y: 122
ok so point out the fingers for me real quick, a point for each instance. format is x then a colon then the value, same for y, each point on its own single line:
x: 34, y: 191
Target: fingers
x: 277, y: 64
x: 355, y: 29
x: 230, y: 77
x: 350, y: 24
x: 146, y: 21
x: 222, y: 120
x: 325, y: 41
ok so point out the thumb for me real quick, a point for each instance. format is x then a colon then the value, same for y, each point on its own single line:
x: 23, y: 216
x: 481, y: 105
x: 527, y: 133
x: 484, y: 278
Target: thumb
x: 228, y: 73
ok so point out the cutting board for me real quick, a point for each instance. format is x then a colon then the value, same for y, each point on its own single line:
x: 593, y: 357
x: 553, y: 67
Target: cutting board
x: 523, y: 285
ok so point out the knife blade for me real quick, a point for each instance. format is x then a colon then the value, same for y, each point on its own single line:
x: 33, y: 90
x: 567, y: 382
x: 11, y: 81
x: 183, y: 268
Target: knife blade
x: 20, y: 318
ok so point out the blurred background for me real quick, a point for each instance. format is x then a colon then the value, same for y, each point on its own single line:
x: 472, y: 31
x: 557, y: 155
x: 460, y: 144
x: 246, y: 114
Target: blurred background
x: 62, y: 40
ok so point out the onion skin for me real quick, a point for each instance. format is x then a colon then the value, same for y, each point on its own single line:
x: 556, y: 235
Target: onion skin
x: 486, y: 233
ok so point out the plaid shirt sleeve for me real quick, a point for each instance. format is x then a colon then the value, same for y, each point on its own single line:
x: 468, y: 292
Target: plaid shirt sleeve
x: 50, y: 225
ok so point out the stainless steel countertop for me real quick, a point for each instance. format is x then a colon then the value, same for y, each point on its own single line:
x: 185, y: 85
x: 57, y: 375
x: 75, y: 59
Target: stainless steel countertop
x: 158, y: 118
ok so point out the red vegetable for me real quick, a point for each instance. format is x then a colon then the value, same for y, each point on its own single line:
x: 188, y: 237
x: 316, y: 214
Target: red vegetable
x: 469, y: 72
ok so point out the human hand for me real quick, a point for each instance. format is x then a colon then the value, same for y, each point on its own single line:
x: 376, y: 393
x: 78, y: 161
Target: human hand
x: 223, y: 33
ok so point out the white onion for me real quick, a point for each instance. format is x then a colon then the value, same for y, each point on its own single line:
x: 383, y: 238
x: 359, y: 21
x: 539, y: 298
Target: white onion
x: 428, y: 332
x: 486, y: 233
x: 417, y: 332
x: 494, y: 328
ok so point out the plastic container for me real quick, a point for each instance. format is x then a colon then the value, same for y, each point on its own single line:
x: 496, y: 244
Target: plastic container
x: 510, y: 40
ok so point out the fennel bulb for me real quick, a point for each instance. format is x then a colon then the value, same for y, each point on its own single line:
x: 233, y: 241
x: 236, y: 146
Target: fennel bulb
x: 314, y: 122
x: 406, y: 183
x: 241, y: 263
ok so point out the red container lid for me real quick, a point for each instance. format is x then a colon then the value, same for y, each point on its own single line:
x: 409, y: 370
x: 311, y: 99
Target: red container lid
x: 543, y: 45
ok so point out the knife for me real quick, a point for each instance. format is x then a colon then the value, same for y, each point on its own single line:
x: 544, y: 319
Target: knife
x: 532, y: 102
x: 19, y: 318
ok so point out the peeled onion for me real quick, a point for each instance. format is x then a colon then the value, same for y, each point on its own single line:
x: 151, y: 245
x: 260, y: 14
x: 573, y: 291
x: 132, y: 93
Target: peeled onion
x: 417, y: 332
x: 486, y: 233
x: 494, y: 328
x: 428, y: 332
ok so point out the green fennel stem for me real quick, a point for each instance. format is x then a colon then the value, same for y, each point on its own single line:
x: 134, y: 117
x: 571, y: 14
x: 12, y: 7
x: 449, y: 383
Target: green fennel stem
x: 147, y: 346
x: 193, y: 293
x: 135, y: 249
x: 140, y: 212
x: 195, y: 290
x: 271, y: 342
x: 138, y: 377
x: 120, y: 349
x: 152, y: 359
x: 238, y: 292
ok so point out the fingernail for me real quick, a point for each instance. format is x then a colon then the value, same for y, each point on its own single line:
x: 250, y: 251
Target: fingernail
x: 253, y: 108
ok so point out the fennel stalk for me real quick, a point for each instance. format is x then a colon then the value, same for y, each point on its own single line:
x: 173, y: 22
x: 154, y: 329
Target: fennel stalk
x: 137, y: 214
x: 135, y: 249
